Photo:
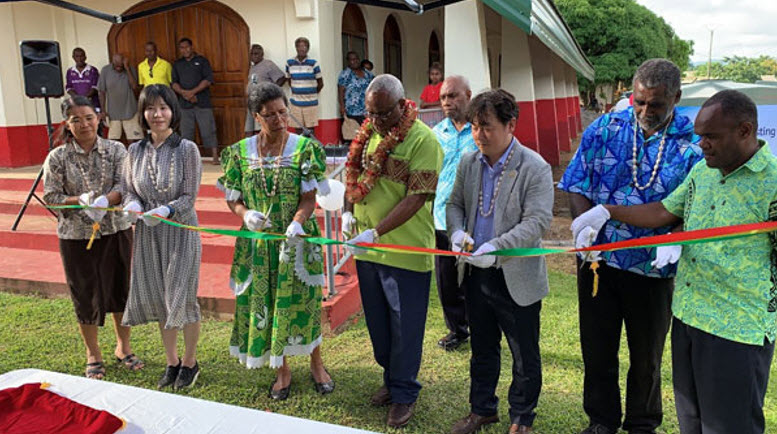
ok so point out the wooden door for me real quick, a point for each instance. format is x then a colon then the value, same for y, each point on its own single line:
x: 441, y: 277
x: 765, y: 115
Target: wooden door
x: 217, y: 32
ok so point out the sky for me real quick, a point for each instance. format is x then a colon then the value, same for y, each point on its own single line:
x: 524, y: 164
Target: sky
x: 742, y: 27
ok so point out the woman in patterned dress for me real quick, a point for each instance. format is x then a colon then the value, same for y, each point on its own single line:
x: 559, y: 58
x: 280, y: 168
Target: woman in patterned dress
x: 162, y: 178
x: 270, y: 181
x: 86, y: 170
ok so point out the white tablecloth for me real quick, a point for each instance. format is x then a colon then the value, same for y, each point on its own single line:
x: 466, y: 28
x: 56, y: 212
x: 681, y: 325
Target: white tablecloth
x: 151, y: 411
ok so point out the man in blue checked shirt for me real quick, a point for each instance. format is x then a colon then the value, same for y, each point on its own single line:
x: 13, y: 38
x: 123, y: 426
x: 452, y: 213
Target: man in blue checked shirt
x: 455, y: 136
x: 635, y: 156
x: 304, y: 76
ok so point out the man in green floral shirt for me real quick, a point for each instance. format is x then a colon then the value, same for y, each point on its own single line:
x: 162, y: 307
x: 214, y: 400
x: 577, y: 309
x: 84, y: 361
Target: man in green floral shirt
x: 725, y: 299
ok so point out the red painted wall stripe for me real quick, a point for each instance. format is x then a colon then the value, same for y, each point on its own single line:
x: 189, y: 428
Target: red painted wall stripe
x: 547, y: 133
x: 24, y: 145
x: 562, y: 120
x: 526, y: 128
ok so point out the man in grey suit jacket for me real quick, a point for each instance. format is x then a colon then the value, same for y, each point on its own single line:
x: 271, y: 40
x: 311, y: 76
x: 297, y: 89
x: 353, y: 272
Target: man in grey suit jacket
x: 502, y: 198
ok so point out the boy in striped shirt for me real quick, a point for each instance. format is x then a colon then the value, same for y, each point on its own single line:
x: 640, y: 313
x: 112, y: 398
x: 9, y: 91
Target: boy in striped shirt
x: 304, y: 76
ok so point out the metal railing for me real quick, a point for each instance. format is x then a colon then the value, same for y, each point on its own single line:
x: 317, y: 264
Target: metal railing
x: 431, y: 116
x: 336, y: 256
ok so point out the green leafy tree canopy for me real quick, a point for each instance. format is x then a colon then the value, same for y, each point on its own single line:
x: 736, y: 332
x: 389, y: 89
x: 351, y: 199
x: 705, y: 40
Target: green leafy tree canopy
x: 740, y: 69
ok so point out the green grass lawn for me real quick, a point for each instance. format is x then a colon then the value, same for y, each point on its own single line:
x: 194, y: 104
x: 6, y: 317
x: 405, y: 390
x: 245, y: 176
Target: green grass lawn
x: 42, y: 333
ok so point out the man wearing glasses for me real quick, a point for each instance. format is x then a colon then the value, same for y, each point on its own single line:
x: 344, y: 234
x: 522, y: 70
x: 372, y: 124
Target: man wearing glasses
x: 154, y: 69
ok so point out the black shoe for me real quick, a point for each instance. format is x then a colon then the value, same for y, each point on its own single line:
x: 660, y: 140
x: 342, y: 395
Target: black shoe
x: 170, y: 375
x: 451, y: 341
x: 187, y: 376
x: 324, y: 388
x: 597, y: 428
x: 279, y: 395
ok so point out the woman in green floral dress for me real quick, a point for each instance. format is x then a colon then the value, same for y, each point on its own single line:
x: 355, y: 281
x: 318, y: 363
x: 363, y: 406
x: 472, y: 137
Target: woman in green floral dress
x: 270, y: 180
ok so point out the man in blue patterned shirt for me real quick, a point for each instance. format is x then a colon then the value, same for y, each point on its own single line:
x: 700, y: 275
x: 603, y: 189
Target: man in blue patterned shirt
x: 455, y: 136
x: 352, y: 88
x: 631, y: 157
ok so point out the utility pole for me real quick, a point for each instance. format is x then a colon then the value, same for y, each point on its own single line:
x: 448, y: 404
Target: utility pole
x: 709, y: 59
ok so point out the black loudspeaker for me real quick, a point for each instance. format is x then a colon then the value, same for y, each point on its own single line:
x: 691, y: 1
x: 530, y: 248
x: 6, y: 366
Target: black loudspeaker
x: 42, y: 69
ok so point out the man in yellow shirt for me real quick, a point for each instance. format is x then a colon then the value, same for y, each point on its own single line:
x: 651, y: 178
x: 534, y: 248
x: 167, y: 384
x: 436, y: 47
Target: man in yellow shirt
x: 153, y: 69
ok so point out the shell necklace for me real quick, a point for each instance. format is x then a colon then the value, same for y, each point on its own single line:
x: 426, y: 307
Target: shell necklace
x: 276, y: 169
x: 496, y: 189
x: 87, y: 180
x: 153, y: 173
x: 634, y: 164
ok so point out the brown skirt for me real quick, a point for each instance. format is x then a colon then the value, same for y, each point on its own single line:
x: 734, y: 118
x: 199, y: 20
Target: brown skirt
x: 98, y: 278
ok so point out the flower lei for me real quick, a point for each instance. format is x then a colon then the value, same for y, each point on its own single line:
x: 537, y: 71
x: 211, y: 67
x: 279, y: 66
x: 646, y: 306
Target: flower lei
x: 362, y: 172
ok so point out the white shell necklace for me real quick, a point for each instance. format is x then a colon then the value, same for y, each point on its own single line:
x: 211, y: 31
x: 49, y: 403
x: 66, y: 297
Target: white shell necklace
x: 496, y: 189
x: 153, y: 173
x: 656, y: 165
x: 87, y: 180
x: 276, y: 169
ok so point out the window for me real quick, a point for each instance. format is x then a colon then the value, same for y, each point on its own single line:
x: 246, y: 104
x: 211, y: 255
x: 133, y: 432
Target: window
x: 354, y: 32
x: 434, y: 49
x: 392, y: 48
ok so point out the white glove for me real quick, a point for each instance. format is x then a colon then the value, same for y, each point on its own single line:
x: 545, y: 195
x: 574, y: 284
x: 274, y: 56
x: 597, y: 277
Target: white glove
x: 347, y: 222
x: 294, y: 231
x: 256, y: 221
x: 85, y: 199
x: 586, y: 238
x: 131, y: 211
x: 161, y: 211
x: 595, y: 217
x: 364, y: 237
x: 459, y: 240
x: 481, y: 257
x: 666, y: 255
x: 100, y: 202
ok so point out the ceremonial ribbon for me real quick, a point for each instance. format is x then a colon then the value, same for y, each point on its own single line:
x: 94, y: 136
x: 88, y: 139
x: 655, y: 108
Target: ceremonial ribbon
x: 676, y: 238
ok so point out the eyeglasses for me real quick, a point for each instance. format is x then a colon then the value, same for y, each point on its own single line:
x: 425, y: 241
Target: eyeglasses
x: 279, y: 115
x: 382, y: 116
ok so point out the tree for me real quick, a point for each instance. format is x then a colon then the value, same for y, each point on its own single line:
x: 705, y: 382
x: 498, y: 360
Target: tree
x: 740, y: 69
x: 618, y: 35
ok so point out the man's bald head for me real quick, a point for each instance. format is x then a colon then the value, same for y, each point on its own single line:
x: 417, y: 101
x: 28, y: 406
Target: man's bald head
x: 454, y: 96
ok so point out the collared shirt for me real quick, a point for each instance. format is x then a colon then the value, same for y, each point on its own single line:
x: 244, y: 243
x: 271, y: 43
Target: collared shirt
x: 188, y: 73
x: 601, y: 170
x: 484, y: 226
x: 304, y: 84
x: 355, y: 90
x: 454, y: 145
x: 729, y: 288
x: 411, y: 168
x: 63, y: 176
x: 81, y: 82
x: 119, y: 95
x: 265, y: 71
x: 161, y: 73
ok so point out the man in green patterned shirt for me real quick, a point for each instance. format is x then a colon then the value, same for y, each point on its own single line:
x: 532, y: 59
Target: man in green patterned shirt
x: 725, y: 299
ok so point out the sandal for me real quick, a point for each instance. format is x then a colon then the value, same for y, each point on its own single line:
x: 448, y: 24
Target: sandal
x: 95, y: 370
x: 131, y: 362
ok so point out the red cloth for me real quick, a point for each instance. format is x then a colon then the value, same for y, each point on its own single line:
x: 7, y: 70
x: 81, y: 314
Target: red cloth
x: 431, y: 93
x: 30, y: 409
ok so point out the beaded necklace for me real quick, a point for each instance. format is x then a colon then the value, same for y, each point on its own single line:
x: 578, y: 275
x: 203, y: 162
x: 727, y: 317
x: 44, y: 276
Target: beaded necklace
x: 496, y: 189
x: 634, y: 164
x: 153, y: 173
x: 276, y: 169
x: 87, y: 179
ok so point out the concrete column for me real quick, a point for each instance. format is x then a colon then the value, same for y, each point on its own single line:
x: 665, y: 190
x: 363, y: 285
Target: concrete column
x: 542, y: 71
x: 466, y: 44
x: 580, y: 126
x: 560, y: 101
x: 574, y: 127
x: 518, y: 79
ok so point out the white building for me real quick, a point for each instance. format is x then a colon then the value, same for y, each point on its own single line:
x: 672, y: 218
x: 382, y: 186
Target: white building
x: 522, y: 46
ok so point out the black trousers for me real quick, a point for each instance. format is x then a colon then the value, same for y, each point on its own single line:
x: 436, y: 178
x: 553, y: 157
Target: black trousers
x: 719, y: 385
x: 643, y: 304
x: 494, y: 312
x: 454, y: 310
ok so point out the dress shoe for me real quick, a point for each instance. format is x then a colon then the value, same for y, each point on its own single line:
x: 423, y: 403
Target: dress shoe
x: 381, y: 397
x: 472, y: 423
x: 597, y: 428
x: 279, y: 395
x: 399, y: 414
x: 451, y: 341
x: 520, y: 429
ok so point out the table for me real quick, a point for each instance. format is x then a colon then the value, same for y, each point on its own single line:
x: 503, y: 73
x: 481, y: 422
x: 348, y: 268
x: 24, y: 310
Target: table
x: 151, y: 411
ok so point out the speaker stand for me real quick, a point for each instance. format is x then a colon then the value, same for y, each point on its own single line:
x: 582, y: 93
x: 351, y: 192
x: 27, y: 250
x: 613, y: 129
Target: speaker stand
x: 32, y: 193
